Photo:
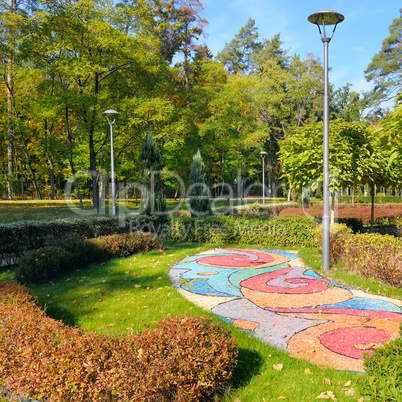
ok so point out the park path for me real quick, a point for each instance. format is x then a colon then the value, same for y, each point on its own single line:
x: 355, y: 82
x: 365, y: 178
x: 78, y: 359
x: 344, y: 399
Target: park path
x: 285, y: 304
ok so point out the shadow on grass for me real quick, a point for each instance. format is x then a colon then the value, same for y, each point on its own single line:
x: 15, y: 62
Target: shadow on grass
x: 249, y: 364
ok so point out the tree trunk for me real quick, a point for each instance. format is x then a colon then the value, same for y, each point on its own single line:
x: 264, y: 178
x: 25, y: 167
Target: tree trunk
x: 372, y: 208
x: 50, y: 160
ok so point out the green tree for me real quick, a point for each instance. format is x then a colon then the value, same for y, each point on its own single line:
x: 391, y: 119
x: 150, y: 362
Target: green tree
x: 236, y: 55
x: 357, y: 157
x: 270, y: 50
x: 199, y: 197
x: 150, y: 157
x: 385, y: 69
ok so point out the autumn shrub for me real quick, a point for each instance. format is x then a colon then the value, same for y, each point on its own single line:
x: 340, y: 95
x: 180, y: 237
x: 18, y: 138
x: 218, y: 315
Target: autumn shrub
x: 383, y: 379
x: 182, y: 359
x: 375, y: 255
x: 73, y: 252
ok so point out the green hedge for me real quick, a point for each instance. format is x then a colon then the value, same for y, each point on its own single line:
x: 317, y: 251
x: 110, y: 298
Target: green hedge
x: 266, y: 232
x: 71, y: 253
x: 31, y: 235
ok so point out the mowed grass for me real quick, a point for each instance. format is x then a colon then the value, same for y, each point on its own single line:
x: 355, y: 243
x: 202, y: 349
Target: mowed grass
x: 131, y: 294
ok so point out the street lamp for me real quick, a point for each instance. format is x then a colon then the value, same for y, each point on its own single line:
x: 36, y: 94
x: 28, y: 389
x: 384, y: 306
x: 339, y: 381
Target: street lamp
x: 109, y: 114
x: 323, y: 18
x: 263, y: 155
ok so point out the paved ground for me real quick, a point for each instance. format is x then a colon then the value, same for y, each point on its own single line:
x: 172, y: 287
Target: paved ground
x: 273, y: 295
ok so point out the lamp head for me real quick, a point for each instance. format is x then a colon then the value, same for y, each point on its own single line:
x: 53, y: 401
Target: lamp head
x: 263, y: 153
x: 326, y: 17
x: 110, y: 112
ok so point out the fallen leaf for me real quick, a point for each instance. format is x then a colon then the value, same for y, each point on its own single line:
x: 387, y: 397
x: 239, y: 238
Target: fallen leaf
x: 327, y: 381
x: 348, y: 384
x: 349, y: 392
x: 280, y: 398
x: 307, y: 371
x: 278, y: 367
x: 327, y: 395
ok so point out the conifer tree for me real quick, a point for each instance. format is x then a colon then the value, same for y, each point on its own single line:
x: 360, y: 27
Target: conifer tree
x: 150, y: 157
x: 199, y: 197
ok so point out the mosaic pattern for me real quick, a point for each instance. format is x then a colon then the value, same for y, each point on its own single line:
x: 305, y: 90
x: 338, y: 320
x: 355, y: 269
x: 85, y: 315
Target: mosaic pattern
x: 271, y: 294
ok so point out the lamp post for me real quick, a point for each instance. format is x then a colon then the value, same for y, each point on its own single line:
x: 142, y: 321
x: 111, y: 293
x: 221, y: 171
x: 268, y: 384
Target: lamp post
x: 323, y: 18
x: 263, y: 155
x: 109, y: 114
x: 22, y: 172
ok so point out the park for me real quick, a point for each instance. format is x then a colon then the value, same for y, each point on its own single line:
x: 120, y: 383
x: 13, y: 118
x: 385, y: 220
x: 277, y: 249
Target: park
x: 178, y: 225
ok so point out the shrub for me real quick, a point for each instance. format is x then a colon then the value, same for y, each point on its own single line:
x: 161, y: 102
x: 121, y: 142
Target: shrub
x: 257, y: 209
x: 71, y: 253
x: 30, y: 235
x: 182, y: 359
x: 265, y: 232
x: 338, y: 232
x: 43, y: 265
x: 383, y: 379
x: 375, y: 255
x: 123, y: 245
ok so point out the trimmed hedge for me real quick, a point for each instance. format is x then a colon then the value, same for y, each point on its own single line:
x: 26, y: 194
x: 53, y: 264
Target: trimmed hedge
x: 183, y: 359
x: 31, y: 235
x: 383, y: 379
x: 266, y: 232
x: 257, y: 209
x: 68, y: 254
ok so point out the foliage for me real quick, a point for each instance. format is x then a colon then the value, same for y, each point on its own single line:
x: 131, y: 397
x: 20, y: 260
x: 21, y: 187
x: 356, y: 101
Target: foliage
x: 301, y: 155
x: 265, y: 232
x: 199, y: 197
x: 383, y: 379
x: 44, y: 359
x: 74, y: 252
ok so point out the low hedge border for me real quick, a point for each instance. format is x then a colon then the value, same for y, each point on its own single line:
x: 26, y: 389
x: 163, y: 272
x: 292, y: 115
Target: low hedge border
x: 19, y: 237
x: 73, y: 252
x: 264, y: 231
x: 43, y: 359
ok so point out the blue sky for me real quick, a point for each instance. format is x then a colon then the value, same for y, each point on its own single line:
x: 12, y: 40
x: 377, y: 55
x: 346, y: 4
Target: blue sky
x: 355, y: 41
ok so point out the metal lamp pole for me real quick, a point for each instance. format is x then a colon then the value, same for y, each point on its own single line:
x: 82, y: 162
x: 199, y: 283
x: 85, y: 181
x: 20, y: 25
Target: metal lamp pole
x: 323, y: 18
x: 110, y: 113
x: 263, y: 155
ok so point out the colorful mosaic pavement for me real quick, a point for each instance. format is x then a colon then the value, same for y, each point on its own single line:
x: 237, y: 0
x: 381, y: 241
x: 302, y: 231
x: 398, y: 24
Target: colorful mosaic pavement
x: 273, y: 295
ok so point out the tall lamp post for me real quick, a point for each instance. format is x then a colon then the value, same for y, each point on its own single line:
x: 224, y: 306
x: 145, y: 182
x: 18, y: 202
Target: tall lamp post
x: 263, y: 155
x: 323, y: 18
x: 109, y: 115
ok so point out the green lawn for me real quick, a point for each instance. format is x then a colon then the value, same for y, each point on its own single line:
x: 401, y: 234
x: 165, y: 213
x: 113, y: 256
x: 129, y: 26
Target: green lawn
x: 129, y: 294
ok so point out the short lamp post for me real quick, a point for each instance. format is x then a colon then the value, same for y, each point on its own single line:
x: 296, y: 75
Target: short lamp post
x: 109, y: 115
x: 324, y: 18
x: 263, y: 155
